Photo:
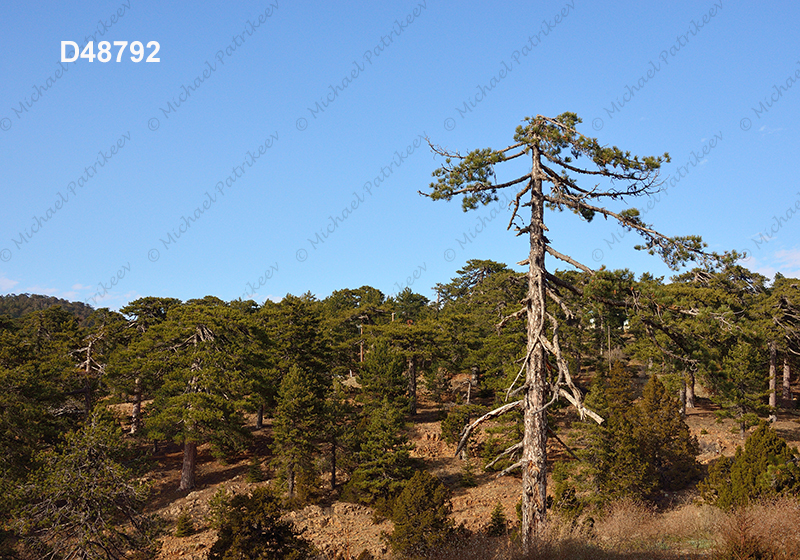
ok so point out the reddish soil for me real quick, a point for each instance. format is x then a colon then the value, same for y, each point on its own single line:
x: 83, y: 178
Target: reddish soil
x: 345, y: 530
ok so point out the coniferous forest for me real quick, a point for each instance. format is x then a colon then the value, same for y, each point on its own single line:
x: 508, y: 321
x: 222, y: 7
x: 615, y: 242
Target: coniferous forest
x: 635, y: 416
x: 91, y: 404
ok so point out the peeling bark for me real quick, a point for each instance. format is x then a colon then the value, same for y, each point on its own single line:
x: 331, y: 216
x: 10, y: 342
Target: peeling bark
x: 786, y: 392
x: 136, y: 413
x: 534, y: 442
x: 773, y: 382
x: 690, y: 381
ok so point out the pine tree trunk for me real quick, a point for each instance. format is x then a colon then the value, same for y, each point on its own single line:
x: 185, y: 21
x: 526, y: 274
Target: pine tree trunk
x: 136, y: 414
x: 773, y: 381
x: 87, y: 390
x: 189, y: 461
x: 290, y: 480
x: 260, y: 417
x: 412, y: 384
x: 690, y: 389
x: 682, y: 398
x: 333, y: 464
x: 787, y: 384
x: 534, y: 450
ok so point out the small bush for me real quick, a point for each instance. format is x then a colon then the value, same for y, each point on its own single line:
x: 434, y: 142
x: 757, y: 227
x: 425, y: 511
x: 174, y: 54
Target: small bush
x: 253, y: 528
x: 468, y: 475
x: 219, y: 506
x: 765, y: 468
x: 766, y: 529
x: 421, y: 516
x: 255, y: 473
x: 184, y: 525
x: 627, y: 524
x: 739, y: 540
x: 498, y: 524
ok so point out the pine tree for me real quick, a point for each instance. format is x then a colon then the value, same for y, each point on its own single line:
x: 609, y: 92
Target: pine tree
x: 37, y: 378
x: 297, y: 423
x: 184, y: 525
x: 667, y: 447
x: 347, y: 317
x: 766, y: 467
x: 421, y: 516
x: 382, y: 377
x: 252, y: 529
x: 201, y: 394
x: 612, y: 451
x: 135, y: 368
x: 498, y: 524
x: 416, y: 343
x: 255, y: 473
x: 295, y: 332
x: 743, y: 385
x: 474, y: 302
x: 83, y: 503
x: 384, y: 460
x: 642, y: 448
x: 554, y: 147
x: 338, y: 427
x: 103, y: 336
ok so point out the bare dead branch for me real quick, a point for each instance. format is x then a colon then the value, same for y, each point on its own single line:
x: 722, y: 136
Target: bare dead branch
x: 568, y: 259
x: 564, y: 307
x: 585, y: 411
x: 465, y: 433
x: 507, y: 318
x: 513, y: 467
x: 511, y: 450
x: 558, y: 439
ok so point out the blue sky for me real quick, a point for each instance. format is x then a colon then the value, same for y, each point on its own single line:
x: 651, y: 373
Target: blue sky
x: 277, y: 147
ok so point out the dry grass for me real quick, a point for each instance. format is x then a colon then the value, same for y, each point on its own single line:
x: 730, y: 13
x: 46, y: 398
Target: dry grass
x: 632, y: 531
x: 630, y: 526
x: 768, y: 531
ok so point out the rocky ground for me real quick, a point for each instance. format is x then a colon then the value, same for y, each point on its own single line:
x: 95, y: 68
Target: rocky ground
x: 344, y: 530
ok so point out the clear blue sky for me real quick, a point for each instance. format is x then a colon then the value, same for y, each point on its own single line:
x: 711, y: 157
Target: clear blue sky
x: 312, y: 106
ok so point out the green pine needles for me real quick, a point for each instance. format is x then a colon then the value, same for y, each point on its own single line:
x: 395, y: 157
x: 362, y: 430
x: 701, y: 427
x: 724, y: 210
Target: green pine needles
x: 765, y: 468
x: 644, y: 447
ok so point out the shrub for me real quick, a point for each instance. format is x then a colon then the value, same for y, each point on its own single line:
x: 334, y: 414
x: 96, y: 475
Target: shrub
x: 740, y: 541
x: 642, y: 448
x: 219, y: 506
x: 766, y: 467
x: 384, y: 461
x: 255, y: 473
x: 468, y: 475
x: 421, y: 516
x: 253, y: 529
x: 83, y: 500
x: 498, y: 524
x: 184, y: 525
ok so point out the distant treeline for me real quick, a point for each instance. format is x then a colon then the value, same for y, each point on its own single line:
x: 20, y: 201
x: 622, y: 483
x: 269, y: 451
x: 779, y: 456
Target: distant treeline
x: 17, y: 305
